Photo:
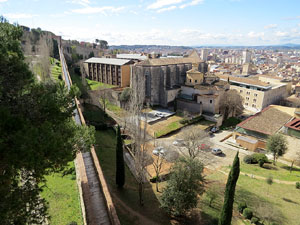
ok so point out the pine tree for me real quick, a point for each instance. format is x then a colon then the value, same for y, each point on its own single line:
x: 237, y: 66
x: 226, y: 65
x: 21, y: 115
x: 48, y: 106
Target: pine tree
x: 226, y: 214
x: 120, y: 170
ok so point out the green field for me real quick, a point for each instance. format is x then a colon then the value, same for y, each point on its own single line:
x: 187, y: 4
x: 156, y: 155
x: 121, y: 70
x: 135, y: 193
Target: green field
x: 279, y: 201
x: 169, y: 128
x: 63, y: 197
x: 95, y: 85
x: 280, y: 171
x: 56, y: 70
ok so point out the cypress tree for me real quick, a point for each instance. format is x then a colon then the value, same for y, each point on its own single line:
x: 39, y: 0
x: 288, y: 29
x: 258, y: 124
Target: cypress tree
x: 226, y: 214
x: 120, y: 170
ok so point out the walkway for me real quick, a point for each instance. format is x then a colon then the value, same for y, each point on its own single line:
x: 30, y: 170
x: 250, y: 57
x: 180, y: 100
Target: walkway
x: 94, y: 199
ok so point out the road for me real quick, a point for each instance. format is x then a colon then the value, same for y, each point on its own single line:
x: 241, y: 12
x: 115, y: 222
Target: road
x: 98, y: 214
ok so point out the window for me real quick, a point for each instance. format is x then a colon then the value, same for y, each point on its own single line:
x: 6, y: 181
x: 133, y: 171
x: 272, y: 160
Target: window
x: 253, y: 105
x: 200, y: 102
x: 241, y: 91
x: 210, y: 101
x: 190, y: 80
x: 255, y: 95
x: 254, y: 100
x: 196, y: 81
x: 248, y: 92
x: 247, y: 98
x: 246, y: 103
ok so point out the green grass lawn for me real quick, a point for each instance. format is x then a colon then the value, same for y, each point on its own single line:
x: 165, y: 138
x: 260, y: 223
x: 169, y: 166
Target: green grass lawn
x: 281, y: 201
x: 105, y: 148
x: 63, y: 197
x: 95, y: 85
x: 56, y: 70
x: 280, y: 171
x: 114, y: 108
x: 170, y: 128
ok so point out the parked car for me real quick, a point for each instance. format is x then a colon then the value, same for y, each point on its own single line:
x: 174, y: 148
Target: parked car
x: 158, y: 150
x: 178, y: 142
x: 216, y: 151
x: 214, y: 129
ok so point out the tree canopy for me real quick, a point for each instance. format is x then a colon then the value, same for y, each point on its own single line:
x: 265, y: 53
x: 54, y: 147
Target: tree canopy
x: 277, y: 144
x: 231, y: 104
x: 183, y: 187
x: 37, y: 133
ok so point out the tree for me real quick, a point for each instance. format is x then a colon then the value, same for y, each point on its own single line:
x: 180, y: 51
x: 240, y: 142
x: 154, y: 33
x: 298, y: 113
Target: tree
x: 231, y: 103
x: 226, y: 214
x: 138, y: 133
x: 195, y: 141
x: 37, y: 133
x: 92, y: 54
x: 103, y: 44
x: 157, y: 164
x: 183, y: 187
x: 212, y: 194
x: 120, y: 170
x: 277, y: 145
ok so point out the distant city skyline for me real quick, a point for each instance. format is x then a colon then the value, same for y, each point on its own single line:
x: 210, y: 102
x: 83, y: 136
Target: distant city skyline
x: 163, y: 22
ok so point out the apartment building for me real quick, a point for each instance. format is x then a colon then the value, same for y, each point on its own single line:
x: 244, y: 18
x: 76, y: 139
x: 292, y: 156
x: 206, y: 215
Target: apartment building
x: 109, y: 70
x: 256, y: 94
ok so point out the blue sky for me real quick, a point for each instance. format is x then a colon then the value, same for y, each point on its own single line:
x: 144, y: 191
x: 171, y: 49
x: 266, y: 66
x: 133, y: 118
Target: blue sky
x: 169, y: 22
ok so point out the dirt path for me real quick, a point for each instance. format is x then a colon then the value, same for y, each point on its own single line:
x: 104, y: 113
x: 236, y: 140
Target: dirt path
x: 122, y: 206
x: 261, y: 178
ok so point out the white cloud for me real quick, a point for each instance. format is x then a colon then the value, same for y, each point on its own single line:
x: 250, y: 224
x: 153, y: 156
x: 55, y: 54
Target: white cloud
x: 162, y: 3
x: 270, y: 26
x: 80, y: 2
x: 253, y: 34
x: 281, y: 34
x: 93, y: 10
x: 3, y: 1
x: 194, y: 2
x: 19, y: 15
x: 166, y: 9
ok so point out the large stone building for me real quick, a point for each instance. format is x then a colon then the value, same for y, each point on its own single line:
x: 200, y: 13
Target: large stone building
x: 109, y: 70
x: 164, y: 77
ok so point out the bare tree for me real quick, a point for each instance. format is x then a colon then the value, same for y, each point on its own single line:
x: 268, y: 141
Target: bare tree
x: 231, y: 104
x: 195, y: 141
x: 138, y: 132
x: 157, y: 164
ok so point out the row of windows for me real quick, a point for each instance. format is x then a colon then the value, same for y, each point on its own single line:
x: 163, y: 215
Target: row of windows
x: 248, y: 93
x: 254, y: 100
x: 253, y: 105
x: 210, y: 101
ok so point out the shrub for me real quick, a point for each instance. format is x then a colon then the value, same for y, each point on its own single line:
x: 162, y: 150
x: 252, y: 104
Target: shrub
x: 248, y: 159
x: 242, y: 206
x: 247, y: 213
x: 259, y: 157
x: 298, y: 185
x: 261, y: 163
x: 254, y: 220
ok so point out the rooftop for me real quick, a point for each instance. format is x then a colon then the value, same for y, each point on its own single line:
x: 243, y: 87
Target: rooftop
x: 294, y: 124
x: 246, y: 81
x: 110, y: 61
x: 132, y: 56
x: 268, y: 121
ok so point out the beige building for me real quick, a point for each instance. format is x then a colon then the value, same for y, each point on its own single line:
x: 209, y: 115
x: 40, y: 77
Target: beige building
x: 201, y: 93
x: 109, y: 70
x: 256, y: 94
x: 277, y: 81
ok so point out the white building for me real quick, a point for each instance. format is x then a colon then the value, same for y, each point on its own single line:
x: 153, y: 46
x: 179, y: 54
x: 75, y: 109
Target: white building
x: 246, y: 56
x: 204, y: 54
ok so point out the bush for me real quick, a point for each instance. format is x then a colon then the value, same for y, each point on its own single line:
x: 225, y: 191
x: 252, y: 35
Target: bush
x: 256, y: 158
x: 261, y: 163
x: 254, y: 220
x: 242, y: 206
x: 259, y: 157
x: 248, y: 159
x: 298, y: 185
x: 247, y: 213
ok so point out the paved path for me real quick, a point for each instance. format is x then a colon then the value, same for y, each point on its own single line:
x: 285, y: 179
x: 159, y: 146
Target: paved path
x: 98, y: 214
